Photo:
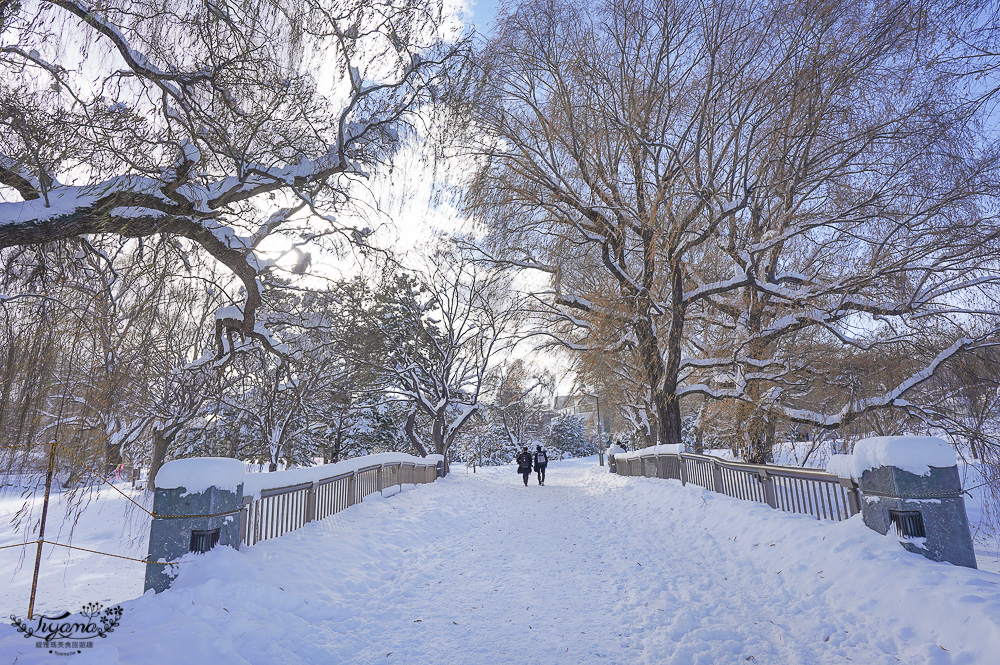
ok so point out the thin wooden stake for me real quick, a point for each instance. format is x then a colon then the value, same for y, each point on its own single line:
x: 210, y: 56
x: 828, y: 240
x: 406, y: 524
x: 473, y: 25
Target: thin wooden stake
x: 41, y: 528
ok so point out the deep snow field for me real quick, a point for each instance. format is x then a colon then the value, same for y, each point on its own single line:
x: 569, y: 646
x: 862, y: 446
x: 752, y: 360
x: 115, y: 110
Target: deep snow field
x: 590, y: 568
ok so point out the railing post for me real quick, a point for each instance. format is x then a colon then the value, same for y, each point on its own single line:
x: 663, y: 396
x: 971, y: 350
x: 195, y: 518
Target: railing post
x: 245, y: 519
x: 381, y: 483
x: 769, y: 496
x: 658, y: 462
x: 717, y: 477
x: 853, y: 495
x: 311, y: 502
x: 352, y: 488
x: 684, y: 470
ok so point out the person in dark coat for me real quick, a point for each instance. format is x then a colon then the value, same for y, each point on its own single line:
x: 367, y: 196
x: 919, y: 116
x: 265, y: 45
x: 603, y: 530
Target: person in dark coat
x: 524, y: 464
x: 541, y: 461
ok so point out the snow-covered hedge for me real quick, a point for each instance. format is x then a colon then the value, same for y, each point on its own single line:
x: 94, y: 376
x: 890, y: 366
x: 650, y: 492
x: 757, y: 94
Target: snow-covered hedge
x: 197, y: 474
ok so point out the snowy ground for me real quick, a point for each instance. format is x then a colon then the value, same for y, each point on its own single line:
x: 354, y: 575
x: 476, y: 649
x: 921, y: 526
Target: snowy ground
x: 591, y: 568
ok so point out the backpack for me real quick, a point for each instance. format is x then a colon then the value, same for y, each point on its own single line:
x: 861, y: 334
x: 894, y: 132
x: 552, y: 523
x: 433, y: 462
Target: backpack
x: 540, y: 457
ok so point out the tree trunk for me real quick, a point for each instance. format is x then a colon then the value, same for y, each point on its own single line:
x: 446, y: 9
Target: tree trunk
x: 338, y: 442
x: 652, y: 364
x: 754, y: 416
x: 668, y: 419
x: 440, y: 444
x: 668, y: 366
x: 113, y: 458
x: 757, y: 433
x: 411, y: 433
x: 160, y: 444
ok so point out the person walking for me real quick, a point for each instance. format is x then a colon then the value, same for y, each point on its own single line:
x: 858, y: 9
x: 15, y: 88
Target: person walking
x: 524, y: 464
x: 541, y: 461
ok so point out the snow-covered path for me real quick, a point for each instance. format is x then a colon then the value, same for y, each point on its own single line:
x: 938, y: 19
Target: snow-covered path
x: 591, y: 568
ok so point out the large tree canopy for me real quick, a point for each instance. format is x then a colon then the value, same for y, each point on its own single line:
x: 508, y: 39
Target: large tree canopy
x: 717, y: 188
x: 219, y: 122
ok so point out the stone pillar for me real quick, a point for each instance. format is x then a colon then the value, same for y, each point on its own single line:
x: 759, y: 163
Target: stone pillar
x: 911, y: 505
x: 614, y: 449
x: 192, y: 522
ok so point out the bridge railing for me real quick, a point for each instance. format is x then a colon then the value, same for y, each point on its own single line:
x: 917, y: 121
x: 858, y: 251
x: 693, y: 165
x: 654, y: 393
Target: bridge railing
x: 204, y: 502
x: 276, y: 511
x: 791, y: 489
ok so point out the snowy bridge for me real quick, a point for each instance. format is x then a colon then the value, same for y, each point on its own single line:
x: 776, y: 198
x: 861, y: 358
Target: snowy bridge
x: 591, y: 568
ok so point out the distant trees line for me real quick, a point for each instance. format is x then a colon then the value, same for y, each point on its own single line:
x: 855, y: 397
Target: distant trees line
x: 741, y: 222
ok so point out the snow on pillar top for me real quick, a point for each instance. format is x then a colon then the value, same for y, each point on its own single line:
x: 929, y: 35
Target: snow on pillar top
x: 915, y: 454
x: 197, y: 474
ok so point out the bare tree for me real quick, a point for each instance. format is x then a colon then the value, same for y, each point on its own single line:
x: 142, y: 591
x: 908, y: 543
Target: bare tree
x: 703, y: 183
x: 447, y: 328
x: 91, y: 345
x: 518, y: 404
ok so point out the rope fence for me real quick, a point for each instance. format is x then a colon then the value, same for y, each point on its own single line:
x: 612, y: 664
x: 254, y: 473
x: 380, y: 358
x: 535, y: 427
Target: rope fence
x: 45, y: 505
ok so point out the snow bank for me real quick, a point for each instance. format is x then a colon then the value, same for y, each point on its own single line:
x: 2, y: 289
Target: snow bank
x: 916, y: 454
x: 199, y: 473
x: 662, y: 449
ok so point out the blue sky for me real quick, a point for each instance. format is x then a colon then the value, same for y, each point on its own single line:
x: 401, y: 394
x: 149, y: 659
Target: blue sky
x: 483, y: 12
